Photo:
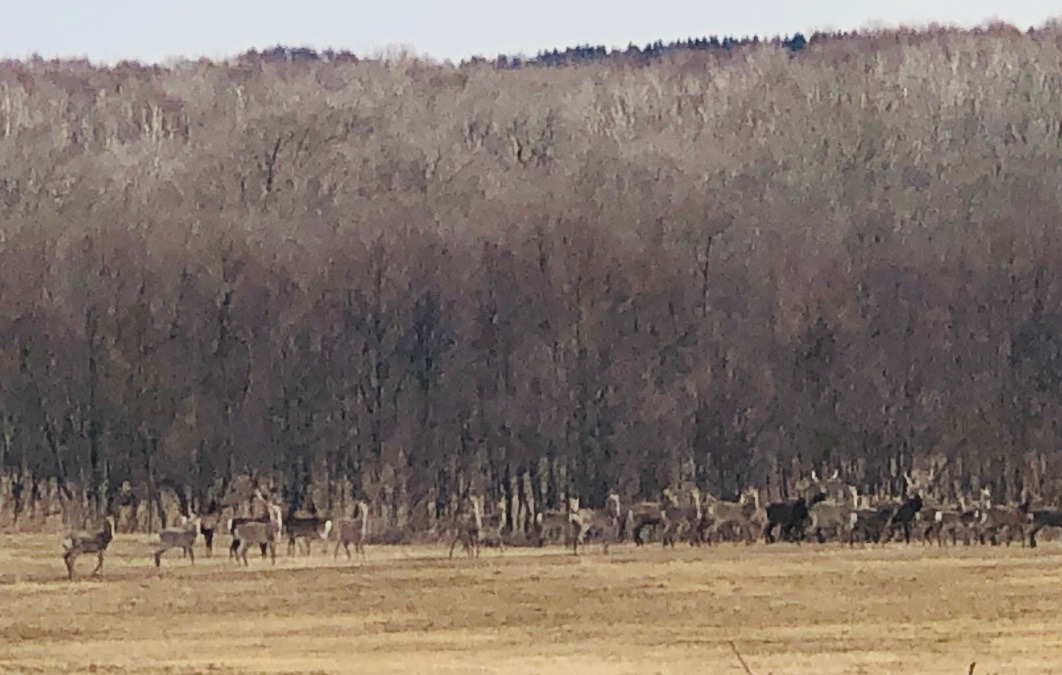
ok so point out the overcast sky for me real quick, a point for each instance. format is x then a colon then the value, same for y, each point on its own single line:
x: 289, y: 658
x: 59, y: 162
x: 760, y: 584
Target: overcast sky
x: 152, y: 30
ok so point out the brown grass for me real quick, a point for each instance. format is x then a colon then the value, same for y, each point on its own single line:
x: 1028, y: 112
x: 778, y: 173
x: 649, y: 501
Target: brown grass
x: 822, y: 609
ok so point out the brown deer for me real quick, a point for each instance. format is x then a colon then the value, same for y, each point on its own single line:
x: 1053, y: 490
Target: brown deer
x: 467, y: 528
x: 179, y: 537
x: 354, y: 530
x: 85, y: 542
x: 605, y: 521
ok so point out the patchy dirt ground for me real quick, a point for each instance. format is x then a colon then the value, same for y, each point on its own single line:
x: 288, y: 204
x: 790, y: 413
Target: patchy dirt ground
x: 785, y: 609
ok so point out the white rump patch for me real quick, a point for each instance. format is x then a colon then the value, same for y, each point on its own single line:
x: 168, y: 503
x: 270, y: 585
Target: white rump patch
x: 939, y: 517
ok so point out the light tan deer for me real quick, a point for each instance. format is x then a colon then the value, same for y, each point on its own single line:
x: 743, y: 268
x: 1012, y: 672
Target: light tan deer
x: 179, y: 537
x: 606, y: 522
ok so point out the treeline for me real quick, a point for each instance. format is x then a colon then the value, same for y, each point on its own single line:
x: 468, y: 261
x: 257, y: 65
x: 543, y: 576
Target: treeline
x: 396, y: 280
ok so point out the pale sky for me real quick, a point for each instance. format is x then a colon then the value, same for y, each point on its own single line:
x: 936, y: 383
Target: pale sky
x: 152, y: 30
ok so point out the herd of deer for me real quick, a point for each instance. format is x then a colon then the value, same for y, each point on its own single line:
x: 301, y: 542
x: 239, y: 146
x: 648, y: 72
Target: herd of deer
x: 261, y: 531
x: 822, y: 509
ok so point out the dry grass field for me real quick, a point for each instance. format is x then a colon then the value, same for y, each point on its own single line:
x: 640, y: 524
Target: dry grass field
x: 812, y: 609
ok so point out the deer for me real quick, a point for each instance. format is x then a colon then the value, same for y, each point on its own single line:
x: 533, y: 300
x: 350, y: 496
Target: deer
x: 257, y: 533
x: 834, y: 516
x: 307, y: 529
x: 179, y: 537
x: 85, y: 542
x: 353, y: 530
x: 868, y: 523
x: 584, y: 521
x: 681, y: 519
x: 951, y: 522
x: 262, y: 532
x: 645, y: 514
x: 467, y: 528
x: 996, y: 518
x: 272, y: 514
x: 744, y: 514
x: 908, y: 510
x: 550, y: 525
x: 494, y: 526
x: 1041, y: 518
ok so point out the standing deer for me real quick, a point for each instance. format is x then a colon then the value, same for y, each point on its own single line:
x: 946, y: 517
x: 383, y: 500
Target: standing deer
x: 467, y: 528
x: 305, y: 528
x: 354, y: 530
x: 179, y: 537
x: 996, y: 518
x: 1040, y: 519
x: 85, y: 542
x: 551, y: 525
x: 646, y: 514
x: 605, y: 522
x: 745, y: 514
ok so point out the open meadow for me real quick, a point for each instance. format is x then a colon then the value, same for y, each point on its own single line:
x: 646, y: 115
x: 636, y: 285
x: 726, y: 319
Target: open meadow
x: 405, y: 609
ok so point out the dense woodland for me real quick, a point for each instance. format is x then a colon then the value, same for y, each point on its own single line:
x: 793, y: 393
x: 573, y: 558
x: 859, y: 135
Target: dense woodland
x: 399, y: 280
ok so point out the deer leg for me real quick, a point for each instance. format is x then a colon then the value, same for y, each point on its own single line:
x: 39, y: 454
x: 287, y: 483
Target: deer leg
x: 69, y: 560
x: 99, y: 565
x: 1032, y: 536
x: 208, y: 539
x: 191, y: 554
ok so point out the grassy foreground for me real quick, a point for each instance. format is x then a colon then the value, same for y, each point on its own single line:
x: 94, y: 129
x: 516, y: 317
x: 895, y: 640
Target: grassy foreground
x: 409, y: 610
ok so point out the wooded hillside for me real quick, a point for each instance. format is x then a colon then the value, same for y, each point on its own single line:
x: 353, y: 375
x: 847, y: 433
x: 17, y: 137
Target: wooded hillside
x: 395, y: 279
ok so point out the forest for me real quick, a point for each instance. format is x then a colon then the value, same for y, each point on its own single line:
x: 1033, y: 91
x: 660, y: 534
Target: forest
x: 400, y: 280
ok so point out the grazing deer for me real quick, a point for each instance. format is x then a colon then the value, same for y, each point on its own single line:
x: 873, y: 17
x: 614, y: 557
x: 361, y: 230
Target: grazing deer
x: 467, y: 528
x: 179, y: 537
x: 353, y: 530
x: 85, y: 542
x: 605, y: 522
